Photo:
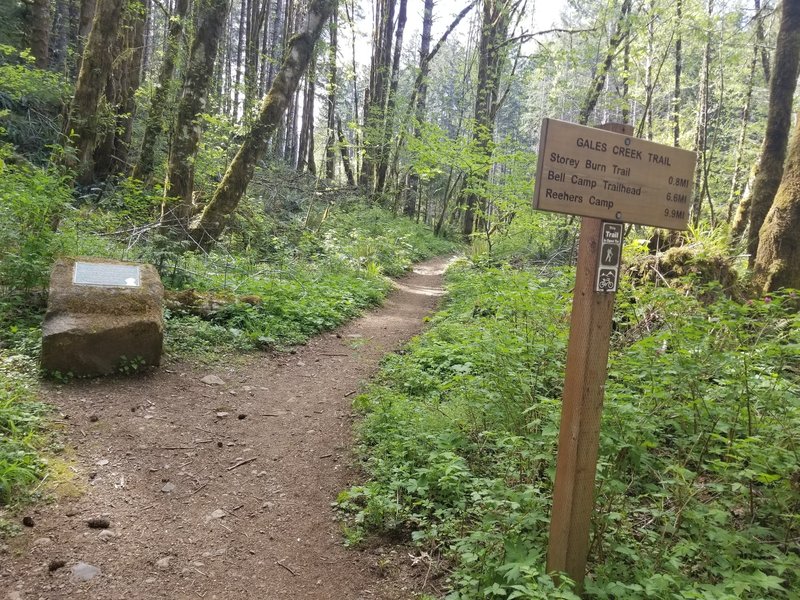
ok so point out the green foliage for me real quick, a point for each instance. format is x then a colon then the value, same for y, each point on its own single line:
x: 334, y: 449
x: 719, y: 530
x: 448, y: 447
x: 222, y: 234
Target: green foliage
x: 33, y: 201
x: 289, y: 288
x: 698, y: 471
x: 20, y: 426
x: 30, y: 102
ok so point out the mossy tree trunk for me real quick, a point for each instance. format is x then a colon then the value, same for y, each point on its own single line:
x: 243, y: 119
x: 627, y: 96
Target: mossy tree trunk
x: 154, y: 126
x: 193, y: 102
x: 211, y: 222
x: 777, y: 262
x: 111, y: 155
x: 85, y: 117
x: 769, y: 170
x: 40, y: 32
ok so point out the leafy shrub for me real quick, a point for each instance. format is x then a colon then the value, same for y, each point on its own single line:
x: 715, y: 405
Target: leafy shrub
x: 20, y: 426
x: 698, y: 470
x: 33, y: 200
x: 30, y: 102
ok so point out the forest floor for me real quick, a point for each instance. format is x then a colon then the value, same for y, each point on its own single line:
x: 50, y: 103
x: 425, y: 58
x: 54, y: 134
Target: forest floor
x: 219, y: 489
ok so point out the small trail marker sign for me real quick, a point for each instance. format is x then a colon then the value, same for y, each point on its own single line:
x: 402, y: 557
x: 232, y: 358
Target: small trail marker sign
x: 609, y: 178
x: 610, y: 257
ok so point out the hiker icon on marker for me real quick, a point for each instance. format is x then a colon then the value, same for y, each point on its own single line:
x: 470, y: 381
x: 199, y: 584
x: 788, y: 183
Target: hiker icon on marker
x: 609, y: 255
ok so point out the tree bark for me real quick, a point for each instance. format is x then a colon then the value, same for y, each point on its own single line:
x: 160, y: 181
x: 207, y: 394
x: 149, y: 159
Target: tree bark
x: 494, y: 30
x: 781, y: 93
x: 210, y: 224
x: 330, y: 140
x: 676, y: 91
x: 737, y: 184
x: 422, y: 99
x: 391, y: 100
x: 83, y: 123
x: 761, y: 41
x: 345, y: 152
x: 376, y: 94
x: 305, y: 154
x: 154, y: 126
x: 701, y: 131
x: 194, y: 96
x: 131, y: 79
x: 40, y: 19
x: 777, y: 262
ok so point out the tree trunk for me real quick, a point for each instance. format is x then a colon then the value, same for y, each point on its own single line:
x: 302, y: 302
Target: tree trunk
x: 777, y: 262
x: 83, y: 123
x: 761, y: 42
x: 737, y: 184
x: 422, y: 99
x: 210, y: 224
x: 305, y: 154
x: 781, y: 93
x: 237, y: 84
x: 58, y: 44
x: 40, y: 32
x: 676, y: 91
x: 154, y: 126
x: 186, y: 137
x: 494, y: 30
x: 384, y: 147
x: 701, y: 132
x: 375, y: 102
x: 131, y: 78
x: 330, y: 139
x: 343, y: 149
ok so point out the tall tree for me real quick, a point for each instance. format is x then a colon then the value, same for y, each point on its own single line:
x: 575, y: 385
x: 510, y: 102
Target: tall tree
x: 701, y: 131
x: 777, y: 262
x: 377, y: 92
x: 384, y: 145
x: 769, y: 170
x: 210, y: 224
x: 330, y: 139
x: 40, y: 32
x: 154, y: 126
x: 496, y: 18
x: 305, y: 154
x: 676, y: 90
x: 412, y: 198
x: 82, y: 126
x: 194, y: 95
x: 111, y: 155
x: 599, y: 81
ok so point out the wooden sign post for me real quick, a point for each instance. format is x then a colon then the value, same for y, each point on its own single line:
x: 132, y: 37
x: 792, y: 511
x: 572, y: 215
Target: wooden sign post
x: 609, y: 178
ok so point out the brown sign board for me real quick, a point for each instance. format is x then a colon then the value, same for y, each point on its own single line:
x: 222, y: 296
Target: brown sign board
x: 596, y: 173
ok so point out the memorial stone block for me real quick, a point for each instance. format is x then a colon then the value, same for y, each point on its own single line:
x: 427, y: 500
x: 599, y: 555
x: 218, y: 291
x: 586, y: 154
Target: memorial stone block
x: 102, y: 315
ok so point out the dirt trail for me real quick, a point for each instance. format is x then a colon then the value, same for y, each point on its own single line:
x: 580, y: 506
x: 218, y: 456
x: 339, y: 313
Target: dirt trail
x: 220, y: 491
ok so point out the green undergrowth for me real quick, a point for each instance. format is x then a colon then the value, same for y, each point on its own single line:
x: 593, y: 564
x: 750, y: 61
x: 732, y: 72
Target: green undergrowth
x: 300, y: 284
x: 281, y: 274
x: 698, y: 492
x: 21, y: 427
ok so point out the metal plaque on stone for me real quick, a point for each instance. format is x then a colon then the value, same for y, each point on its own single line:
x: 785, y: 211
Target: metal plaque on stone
x: 106, y: 275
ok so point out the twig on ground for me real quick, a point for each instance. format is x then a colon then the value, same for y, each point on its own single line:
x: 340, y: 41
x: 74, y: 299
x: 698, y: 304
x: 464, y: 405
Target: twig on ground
x: 242, y: 462
x: 280, y: 564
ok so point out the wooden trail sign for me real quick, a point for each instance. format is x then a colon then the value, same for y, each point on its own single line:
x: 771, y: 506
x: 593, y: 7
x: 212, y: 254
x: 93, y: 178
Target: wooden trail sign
x: 612, y: 176
x: 607, y: 177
